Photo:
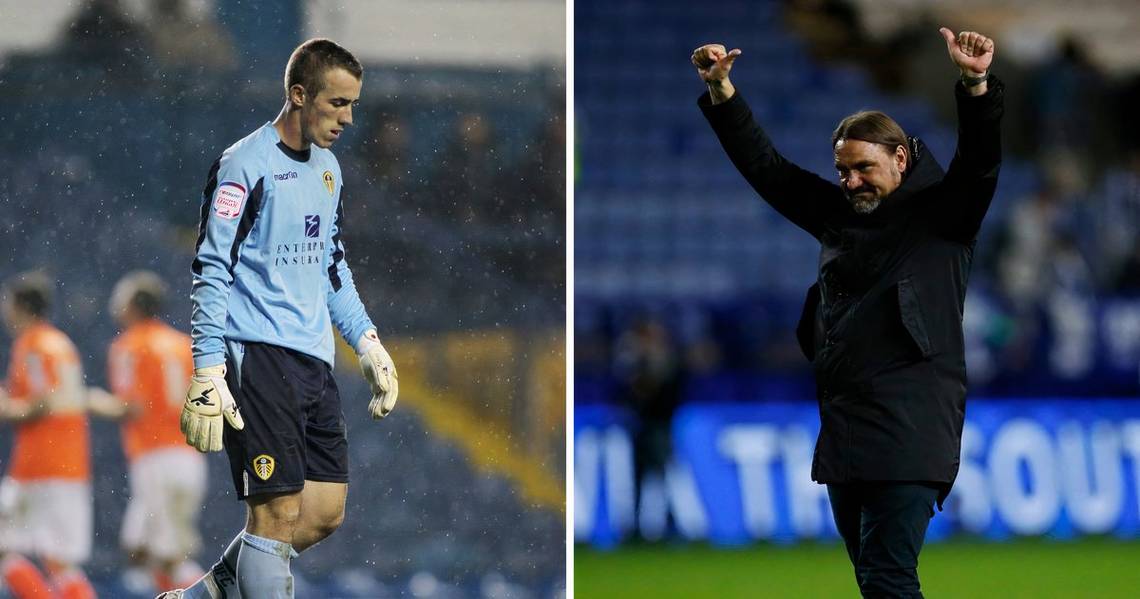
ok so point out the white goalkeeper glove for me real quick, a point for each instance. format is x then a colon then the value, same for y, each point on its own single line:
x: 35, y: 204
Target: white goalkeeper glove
x: 207, y: 401
x: 380, y: 373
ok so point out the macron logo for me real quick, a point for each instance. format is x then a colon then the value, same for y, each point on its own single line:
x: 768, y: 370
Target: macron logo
x: 285, y: 176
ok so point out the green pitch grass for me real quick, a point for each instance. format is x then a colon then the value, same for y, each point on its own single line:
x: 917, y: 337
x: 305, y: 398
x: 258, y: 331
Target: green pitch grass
x: 1089, y: 568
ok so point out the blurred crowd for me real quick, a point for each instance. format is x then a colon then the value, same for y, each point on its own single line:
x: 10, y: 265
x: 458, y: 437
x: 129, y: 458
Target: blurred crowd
x: 168, y: 35
x: 471, y: 234
x: 1071, y: 241
x: 1051, y: 260
x: 455, y: 204
x: 1071, y: 117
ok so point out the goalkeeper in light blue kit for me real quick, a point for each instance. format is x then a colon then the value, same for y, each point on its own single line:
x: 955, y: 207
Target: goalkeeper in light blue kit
x: 270, y: 281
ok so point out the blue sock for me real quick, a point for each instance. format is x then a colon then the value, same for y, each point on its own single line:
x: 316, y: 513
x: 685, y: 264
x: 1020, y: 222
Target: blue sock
x: 263, y: 568
x: 221, y: 581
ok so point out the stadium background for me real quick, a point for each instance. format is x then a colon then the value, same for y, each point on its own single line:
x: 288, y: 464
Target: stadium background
x: 694, y: 410
x: 455, y: 197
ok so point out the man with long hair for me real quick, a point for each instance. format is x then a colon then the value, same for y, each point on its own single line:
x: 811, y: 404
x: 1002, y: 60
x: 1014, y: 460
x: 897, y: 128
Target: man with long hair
x: 883, y: 324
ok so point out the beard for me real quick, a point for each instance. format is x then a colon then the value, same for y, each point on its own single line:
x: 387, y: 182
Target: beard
x: 866, y: 203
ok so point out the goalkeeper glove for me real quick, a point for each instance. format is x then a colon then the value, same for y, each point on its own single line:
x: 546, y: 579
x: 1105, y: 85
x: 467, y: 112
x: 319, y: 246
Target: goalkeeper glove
x: 380, y: 373
x: 207, y: 401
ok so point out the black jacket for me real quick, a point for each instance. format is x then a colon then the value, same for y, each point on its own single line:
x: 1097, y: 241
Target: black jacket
x: 883, y: 324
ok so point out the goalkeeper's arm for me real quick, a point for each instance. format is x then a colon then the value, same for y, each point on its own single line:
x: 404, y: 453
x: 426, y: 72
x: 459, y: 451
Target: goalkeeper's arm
x: 350, y: 318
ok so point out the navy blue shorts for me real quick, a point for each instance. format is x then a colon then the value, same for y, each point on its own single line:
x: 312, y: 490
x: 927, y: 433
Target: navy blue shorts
x: 294, y: 427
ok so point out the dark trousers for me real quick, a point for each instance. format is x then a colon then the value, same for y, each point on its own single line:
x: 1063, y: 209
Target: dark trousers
x: 883, y: 525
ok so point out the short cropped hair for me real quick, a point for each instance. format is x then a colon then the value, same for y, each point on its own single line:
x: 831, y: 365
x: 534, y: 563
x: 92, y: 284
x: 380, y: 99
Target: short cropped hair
x: 142, y: 290
x: 871, y: 126
x: 30, y: 292
x: 308, y: 63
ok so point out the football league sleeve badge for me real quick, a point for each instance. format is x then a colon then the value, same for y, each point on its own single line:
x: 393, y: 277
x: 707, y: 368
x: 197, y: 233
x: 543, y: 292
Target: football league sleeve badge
x: 228, y: 199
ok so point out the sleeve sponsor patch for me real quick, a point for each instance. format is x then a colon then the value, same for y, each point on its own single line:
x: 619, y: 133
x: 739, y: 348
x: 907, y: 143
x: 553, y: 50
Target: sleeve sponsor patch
x: 228, y: 200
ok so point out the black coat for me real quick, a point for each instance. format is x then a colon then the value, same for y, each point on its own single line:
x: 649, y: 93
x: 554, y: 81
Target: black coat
x: 882, y: 326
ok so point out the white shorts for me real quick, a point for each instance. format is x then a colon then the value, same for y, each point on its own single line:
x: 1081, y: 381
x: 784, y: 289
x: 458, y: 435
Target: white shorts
x: 48, y: 518
x: 167, y: 490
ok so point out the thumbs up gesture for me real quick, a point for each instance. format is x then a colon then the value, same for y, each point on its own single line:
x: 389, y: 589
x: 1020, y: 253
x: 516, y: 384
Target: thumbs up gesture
x: 970, y: 50
x: 713, y: 62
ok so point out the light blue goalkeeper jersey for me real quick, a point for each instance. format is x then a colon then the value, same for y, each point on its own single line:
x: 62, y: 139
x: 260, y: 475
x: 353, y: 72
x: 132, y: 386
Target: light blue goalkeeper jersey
x: 269, y: 264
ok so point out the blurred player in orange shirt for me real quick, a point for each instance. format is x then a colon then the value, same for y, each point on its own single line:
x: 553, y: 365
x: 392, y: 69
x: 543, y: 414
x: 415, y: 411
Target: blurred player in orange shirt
x: 150, y: 367
x: 45, y: 495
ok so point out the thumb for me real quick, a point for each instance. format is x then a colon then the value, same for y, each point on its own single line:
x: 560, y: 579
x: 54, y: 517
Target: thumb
x: 230, y: 410
x: 951, y: 39
x: 233, y: 416
x: 729, y: 58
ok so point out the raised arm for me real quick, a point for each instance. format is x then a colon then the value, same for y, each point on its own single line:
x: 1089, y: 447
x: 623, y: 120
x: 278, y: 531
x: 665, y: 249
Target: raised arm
x: 972, y: 177
x: 713, y: 63
x: 972, y: 53
x: 801, y: 196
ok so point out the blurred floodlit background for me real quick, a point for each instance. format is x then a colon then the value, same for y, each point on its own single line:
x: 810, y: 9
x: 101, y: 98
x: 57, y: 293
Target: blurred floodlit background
x: 454, y: 169
x: 695, y: 413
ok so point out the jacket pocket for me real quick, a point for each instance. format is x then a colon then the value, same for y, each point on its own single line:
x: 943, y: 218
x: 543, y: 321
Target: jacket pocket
x: 805, y: 329
x: 910, y: 307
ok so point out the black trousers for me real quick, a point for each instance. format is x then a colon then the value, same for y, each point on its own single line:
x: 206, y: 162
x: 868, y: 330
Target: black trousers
x: 883, y: 525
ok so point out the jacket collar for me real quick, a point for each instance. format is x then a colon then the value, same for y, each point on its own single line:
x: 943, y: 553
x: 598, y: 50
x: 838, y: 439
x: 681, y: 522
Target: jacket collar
x: 923, y: 172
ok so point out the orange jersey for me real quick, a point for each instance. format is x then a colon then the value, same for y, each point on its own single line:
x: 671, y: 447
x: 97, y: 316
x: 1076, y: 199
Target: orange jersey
x: 45, y: 364
x: 150, y: 367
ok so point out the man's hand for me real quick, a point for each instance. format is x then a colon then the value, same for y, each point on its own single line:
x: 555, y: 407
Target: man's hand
x: 713, y: 63
x: 380, y: 373
x: 207, y: 401
x: 970, y: 50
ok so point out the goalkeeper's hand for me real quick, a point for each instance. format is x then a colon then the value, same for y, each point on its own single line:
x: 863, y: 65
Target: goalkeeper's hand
x: 380, y: 373
x: 207, y: 401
